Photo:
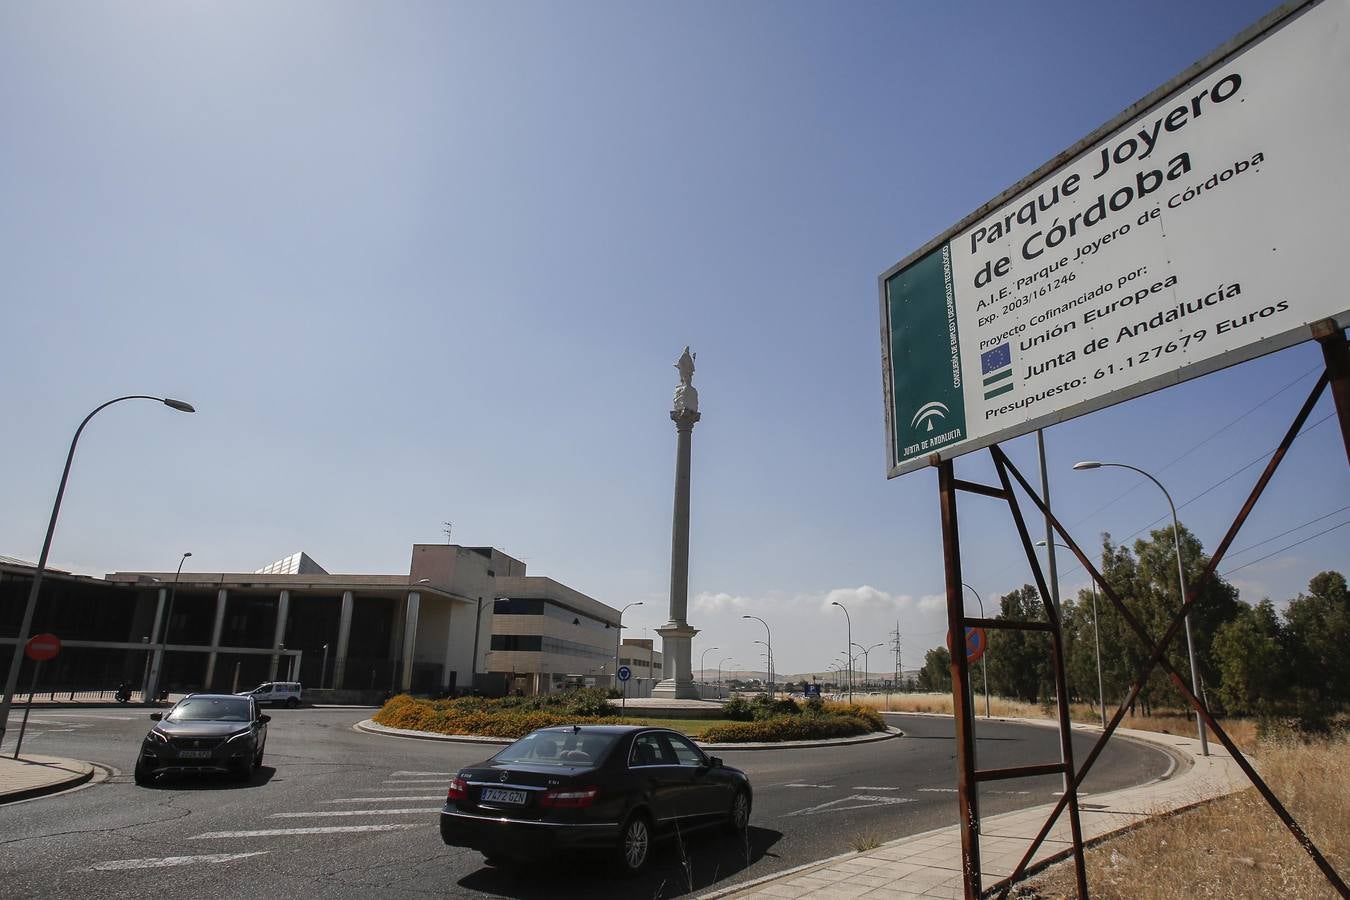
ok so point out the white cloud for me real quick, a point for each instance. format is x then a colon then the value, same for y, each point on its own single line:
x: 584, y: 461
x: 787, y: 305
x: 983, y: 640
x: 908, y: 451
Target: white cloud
x: 712, y: 603
x: 933, y: 602
x: 864, y: 597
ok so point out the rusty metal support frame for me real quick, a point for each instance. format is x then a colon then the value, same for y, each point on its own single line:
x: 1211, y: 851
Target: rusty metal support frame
x: 1337, y: 374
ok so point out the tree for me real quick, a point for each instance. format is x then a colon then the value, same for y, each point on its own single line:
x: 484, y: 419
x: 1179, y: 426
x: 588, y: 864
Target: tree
x: 936, y: 674
x: 1020, y: 663
x: 1250, y: 655
x: 1317, y: 641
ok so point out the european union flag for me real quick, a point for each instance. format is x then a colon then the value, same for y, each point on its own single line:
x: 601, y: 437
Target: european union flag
x: 998, y: 358
x: 996, y: 366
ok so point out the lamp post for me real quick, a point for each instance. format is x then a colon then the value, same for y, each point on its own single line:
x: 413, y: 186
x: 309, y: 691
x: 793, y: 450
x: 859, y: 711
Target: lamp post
x: 12, y: 679
x: 619, y: 638
x: 867, y: 666
x: 702, y: 672
x: 1096, y: 640
x: 984, y: 666
x: 849, y: 654
x: 768, y: 658
x: 157, y: 669
x: 719, y: 677
x: 1181, y: 582
x: 769, y: 644
x: 323, y: 667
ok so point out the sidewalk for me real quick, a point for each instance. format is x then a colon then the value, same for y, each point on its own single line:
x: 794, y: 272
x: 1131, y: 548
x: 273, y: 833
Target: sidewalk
x: 929, y: 865
x: 33, y: 776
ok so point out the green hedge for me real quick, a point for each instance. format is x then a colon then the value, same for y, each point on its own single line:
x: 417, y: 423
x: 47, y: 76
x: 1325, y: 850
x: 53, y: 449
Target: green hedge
x: 788, y: 728
x: 508, y: 717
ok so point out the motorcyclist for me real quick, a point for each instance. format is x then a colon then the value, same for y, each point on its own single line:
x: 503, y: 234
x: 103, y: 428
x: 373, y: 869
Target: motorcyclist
x: 123, y: 692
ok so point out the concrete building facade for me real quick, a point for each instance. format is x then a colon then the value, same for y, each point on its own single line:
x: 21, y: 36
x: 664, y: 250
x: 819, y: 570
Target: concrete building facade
x: 547, y: 637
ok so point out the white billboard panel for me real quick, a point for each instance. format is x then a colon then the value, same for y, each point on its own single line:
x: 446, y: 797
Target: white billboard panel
x: 1200, y: 229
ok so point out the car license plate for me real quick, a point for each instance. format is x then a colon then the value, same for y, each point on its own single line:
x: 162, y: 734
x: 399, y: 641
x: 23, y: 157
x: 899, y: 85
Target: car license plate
x: 498, y: 795
x: 194, y: 754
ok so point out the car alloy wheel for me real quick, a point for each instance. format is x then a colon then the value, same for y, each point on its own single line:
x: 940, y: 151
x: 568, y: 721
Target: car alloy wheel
x: 740, y: 812
x: 636, y: 844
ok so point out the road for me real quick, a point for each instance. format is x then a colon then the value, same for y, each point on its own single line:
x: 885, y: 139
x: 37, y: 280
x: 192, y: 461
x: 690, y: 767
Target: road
x: 340, y: 813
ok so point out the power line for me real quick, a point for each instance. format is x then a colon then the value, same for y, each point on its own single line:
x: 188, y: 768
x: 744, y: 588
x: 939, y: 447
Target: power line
x: 1283, y: 533
x: 1288, y: 547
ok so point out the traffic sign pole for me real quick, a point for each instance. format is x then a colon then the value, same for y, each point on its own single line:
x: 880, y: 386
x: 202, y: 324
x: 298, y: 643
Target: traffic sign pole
x: 32, y: 686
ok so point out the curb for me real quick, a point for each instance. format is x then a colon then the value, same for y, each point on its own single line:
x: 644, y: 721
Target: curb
x: 370, y: 726
x: 54, y: 787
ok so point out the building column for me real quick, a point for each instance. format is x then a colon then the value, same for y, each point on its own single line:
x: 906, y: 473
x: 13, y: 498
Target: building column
x: 279, y: 637
x: 449, y: 638
x: 221, y: 596
x: 152, y: 670
x: 409, y: 638
x: 344, y: 635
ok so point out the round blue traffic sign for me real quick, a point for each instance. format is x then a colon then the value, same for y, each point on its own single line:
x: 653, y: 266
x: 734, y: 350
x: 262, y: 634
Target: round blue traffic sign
x: 625, y: 673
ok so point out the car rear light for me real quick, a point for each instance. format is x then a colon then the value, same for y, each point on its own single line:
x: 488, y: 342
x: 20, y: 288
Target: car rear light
x: 569, y: 798
x: 458, y: 790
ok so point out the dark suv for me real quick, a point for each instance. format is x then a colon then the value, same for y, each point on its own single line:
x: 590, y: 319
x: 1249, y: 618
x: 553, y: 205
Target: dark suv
x: 205, y: 733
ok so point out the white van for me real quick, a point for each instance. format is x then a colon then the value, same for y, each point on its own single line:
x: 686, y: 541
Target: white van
x: 287, y: 692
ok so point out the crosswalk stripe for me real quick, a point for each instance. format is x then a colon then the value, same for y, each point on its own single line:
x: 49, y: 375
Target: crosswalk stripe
x: 399, y: 799
x: 163, y: 862
x: 282, y: 832
x: 353, y: 812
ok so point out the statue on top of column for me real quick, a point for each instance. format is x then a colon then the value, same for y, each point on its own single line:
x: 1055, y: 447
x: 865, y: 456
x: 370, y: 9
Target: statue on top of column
x: 686, y: 397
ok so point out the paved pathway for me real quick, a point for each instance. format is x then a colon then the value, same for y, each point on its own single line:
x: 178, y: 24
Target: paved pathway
x: 34, y: 776
x: 929, y: 865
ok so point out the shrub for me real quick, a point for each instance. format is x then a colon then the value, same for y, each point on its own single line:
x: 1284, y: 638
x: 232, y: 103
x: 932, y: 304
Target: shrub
x: 738, y: 709
x: 787, y: 728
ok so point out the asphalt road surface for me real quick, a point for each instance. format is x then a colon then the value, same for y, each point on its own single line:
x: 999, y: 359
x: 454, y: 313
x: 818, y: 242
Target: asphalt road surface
x: 340, y: 813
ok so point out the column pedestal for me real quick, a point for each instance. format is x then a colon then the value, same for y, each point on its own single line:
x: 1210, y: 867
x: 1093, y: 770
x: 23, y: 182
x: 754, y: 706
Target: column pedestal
x: 677, y: 647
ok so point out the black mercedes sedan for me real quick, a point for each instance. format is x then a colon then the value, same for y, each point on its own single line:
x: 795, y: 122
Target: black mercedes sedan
x: 609, y: 788
x: 205, y: 733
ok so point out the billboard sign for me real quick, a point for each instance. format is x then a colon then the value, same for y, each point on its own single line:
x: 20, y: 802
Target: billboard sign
x: 1198, y: 229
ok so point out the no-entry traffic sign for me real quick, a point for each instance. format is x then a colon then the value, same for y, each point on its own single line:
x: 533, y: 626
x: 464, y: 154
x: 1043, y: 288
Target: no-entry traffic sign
x: 976, y: 643
x: 42, y: 646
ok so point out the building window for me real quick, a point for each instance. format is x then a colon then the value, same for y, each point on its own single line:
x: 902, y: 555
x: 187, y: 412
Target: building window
x: 510, y: 606
x: 525, y: 642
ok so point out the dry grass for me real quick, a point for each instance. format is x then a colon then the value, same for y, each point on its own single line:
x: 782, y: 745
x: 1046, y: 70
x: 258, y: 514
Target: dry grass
x: 1232, y: 847
x: 1242, y: 731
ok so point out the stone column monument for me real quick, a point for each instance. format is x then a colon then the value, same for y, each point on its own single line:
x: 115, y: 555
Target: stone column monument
x: 676, y: 635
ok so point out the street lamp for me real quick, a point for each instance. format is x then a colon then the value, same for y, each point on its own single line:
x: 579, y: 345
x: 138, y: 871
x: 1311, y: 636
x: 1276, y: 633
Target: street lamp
x: 1181, y: 582
x: 323, y: 666
x: 984, y: 666
x: 867, y: 667
x: 17, y: 659
x: 618, y: 639
x: 768, y: 658
x: 1096, y: 640
x: 157, y: 669
x: 849, y: 654
x: 719, y: 677
x: 768, y: 634
x: 702, y: 672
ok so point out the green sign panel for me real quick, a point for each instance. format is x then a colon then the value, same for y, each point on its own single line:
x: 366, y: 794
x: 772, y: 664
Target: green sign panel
x: 929, y: 408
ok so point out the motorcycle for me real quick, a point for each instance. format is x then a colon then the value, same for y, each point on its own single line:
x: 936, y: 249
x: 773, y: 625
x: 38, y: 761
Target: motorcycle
x: 123, y: 694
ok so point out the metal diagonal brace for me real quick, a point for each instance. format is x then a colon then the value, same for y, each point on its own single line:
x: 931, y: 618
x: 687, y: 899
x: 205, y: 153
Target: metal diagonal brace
x: 1158, y: 651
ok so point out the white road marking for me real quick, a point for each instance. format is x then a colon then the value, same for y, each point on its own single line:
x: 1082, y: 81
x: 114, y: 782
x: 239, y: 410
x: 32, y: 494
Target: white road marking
x: 163, y: 862
x: 447, y: 774
x: 282, y: 832
x: 109, y: 718
x: 409, y: 781
x: 810, y: 785
x: 399, y: 799
x: 938, y: 790
x: 353, y: 812
x: 409, y: 790
x: 859, y: 801
x: 868, y: 787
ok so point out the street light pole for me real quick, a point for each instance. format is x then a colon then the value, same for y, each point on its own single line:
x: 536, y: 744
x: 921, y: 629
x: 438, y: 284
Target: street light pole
x: 849, y: 654
x: 12, y: 679
x: 619, y: 638
x: 719, y: 677
x: 984, y: 666
x: 157, y: 668
x: 1096, y: 640
x: 1181, y: 584
x: 702, y: 660
x: 769, y: 634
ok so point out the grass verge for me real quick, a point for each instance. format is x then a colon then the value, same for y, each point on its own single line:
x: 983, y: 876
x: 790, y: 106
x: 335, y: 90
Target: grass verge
x: 1233, y: 846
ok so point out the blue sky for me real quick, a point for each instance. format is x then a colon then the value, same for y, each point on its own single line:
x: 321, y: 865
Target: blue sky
x: 418, y: 262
